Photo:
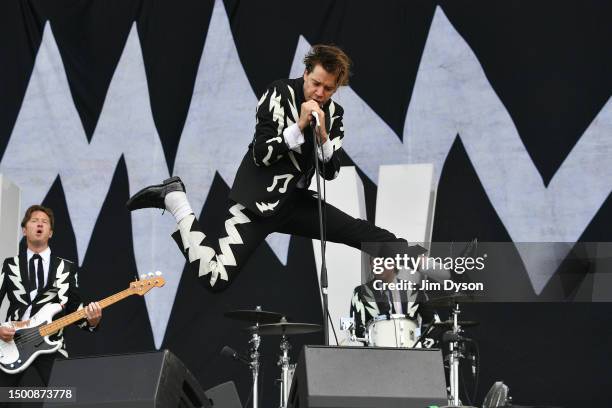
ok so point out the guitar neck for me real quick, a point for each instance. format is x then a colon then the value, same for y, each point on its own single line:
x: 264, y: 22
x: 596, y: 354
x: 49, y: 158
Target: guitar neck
x: 57, y: 325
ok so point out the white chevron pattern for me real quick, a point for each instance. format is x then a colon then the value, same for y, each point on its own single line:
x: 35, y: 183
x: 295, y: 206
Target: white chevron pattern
x: 359, y: 307
x: 62, y: 282
x: 278, y: 112
x: 266, y: 206
x: 195, y: 251
x: 337, y: 142
x: 49, y: 295
x: 293, y: 107
x: 262, y: 99
x: 15, y: 276
x: 412, y: 308
x: 372, y: 308
x: 233, y: 237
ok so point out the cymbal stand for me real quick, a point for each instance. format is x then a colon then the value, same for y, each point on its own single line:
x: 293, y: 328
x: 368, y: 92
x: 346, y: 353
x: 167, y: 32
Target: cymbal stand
x: 284, y: 363
x: 453, y: 360
x: 254, y: 364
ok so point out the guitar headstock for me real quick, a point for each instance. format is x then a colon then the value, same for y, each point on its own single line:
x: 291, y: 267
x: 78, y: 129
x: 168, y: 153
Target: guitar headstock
x: 147, y: 282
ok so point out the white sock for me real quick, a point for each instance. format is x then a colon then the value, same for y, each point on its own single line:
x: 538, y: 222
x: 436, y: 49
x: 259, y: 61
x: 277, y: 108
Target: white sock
x: 176, y: 202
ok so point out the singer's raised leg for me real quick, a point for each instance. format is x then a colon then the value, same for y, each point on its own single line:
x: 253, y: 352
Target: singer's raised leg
x: 340, y: 227
x: 217, y: 262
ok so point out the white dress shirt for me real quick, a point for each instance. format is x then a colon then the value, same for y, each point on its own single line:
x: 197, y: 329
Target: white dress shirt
x: 294, y: 138
x: 397, y: 301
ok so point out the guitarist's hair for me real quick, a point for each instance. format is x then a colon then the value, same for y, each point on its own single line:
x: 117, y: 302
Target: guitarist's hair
x: 32, y: 209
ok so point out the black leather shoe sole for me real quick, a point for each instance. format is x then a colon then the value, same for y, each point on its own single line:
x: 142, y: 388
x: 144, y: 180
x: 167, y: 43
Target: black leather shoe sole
x: 153, y: 196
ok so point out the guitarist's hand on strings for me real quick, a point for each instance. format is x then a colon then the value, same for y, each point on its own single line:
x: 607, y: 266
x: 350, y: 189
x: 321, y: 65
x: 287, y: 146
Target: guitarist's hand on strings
x: 7, y: 333
x: 93, y: 312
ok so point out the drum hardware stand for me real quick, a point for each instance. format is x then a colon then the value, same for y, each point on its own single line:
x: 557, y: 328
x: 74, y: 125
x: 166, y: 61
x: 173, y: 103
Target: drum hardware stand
x: 424, y: 334
x: 349, y: 324
x: 285, y: 365
x: 283, y: 328
x: 254, y: 364
x: 456, y: 352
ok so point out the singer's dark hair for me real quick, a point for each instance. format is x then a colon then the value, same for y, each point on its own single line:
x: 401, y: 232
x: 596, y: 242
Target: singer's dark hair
x: 332, y: 59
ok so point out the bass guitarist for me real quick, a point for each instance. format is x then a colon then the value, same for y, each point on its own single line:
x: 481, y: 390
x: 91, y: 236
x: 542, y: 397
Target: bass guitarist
x: 34, y: 279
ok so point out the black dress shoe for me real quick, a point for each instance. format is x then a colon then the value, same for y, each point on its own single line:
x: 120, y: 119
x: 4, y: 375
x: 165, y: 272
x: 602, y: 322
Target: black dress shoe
x: 153, y: 196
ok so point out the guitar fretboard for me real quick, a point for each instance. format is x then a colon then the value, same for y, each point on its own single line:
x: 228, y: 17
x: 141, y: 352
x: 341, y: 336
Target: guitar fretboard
x: 57, y: 325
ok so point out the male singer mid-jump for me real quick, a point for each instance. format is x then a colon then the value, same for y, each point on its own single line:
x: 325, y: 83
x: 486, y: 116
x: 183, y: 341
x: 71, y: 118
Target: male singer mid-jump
x: 270, y: 191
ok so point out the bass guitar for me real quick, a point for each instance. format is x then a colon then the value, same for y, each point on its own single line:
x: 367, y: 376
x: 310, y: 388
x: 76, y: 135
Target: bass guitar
x: 32, y: 336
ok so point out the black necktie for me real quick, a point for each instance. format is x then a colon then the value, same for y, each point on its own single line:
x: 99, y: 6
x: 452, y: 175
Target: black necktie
x: 391, y: 303
x: 39, y: 270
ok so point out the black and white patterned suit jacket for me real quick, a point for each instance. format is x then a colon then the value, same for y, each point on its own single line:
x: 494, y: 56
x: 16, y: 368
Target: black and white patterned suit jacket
x: 270, y: 171
x: 368, y: 303
x: 62, y: 288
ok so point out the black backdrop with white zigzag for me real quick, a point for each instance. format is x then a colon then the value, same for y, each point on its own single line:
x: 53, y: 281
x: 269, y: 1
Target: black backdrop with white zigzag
x: 548, y: 61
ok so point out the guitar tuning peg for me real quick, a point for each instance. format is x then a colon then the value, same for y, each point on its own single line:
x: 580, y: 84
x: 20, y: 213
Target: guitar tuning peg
x: 158, y: 273
x: 150, y: 274
x: 143, y: 276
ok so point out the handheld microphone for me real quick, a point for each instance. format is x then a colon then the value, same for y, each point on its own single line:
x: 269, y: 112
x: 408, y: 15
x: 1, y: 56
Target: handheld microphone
x: 315, y: 115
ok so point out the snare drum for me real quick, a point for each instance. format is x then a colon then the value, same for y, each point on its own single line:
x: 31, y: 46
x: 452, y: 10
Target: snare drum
x: 395, y: 330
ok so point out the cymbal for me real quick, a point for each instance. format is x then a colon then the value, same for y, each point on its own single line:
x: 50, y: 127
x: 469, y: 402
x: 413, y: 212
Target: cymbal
x: 452, y: 300
x: 284, y: 328
x: 462, y: 323
x: 254, y: 316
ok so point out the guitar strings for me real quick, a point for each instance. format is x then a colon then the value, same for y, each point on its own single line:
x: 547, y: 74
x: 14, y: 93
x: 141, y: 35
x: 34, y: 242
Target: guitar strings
x: 35, y: 334
x: 26, y: 338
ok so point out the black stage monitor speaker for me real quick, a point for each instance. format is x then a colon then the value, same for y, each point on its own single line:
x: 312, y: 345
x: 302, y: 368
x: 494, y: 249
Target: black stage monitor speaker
x: 224, y: 396
x: 143, y: 380
x: 365, y: 377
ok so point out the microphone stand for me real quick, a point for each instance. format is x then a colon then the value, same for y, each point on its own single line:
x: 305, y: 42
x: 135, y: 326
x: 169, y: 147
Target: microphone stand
x: 324, y: 284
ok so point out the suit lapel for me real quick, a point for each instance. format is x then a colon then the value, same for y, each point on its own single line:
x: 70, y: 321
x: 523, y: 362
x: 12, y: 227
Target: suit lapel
x: 379, y: 298
x: 23, y: 269
x: 53, y: 265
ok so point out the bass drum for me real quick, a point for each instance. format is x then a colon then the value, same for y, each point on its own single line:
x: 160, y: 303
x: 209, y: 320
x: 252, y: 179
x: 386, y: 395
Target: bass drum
x: 396, y: 330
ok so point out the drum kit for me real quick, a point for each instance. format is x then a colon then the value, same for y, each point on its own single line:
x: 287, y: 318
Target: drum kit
x: 271, y: 324
x: 395, y: 330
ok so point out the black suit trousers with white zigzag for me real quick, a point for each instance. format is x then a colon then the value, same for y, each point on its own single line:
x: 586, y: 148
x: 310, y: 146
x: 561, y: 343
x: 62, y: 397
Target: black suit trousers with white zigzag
x: 217, y: 268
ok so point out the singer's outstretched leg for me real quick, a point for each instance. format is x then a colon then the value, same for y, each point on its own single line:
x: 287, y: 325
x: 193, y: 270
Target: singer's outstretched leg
x: 217, y: 262
x: 340, y: 227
